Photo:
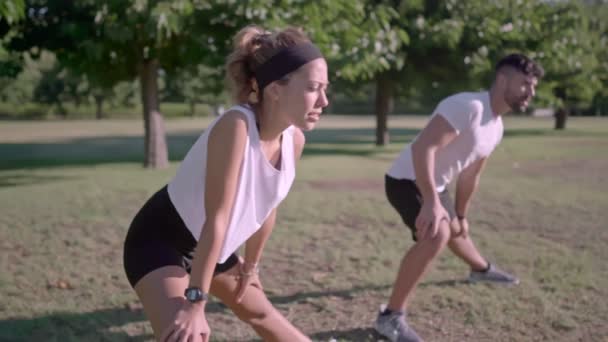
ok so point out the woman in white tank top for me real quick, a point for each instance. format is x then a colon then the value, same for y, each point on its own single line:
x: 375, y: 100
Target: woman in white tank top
x: 181, y: 245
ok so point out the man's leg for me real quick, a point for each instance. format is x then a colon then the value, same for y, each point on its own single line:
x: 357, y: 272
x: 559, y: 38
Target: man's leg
x: 481, y: 270
x: 414, y: 265
x: 465, y: 249
x: 392, y: 322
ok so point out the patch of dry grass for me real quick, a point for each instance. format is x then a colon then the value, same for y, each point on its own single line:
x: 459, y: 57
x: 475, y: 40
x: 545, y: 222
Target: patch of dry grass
x: 69, y: 190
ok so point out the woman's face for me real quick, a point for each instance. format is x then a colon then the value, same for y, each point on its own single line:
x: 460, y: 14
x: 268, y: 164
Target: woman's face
x: 304, y: 96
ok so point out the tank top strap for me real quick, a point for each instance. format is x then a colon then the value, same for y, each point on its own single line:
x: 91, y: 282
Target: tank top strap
x: 250, y: 115
x: 289, y: 146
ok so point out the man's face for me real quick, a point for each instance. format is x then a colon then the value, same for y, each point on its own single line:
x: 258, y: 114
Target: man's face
x: 519, y: 90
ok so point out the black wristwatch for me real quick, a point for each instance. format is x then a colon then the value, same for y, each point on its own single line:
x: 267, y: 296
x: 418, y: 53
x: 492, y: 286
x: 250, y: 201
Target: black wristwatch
x: 195, y: 295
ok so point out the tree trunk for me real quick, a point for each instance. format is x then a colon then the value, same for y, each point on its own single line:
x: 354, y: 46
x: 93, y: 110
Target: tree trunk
x: 155, y: 142
x: 99, y: 107
x: 384, y: 105
x: 561, y: 116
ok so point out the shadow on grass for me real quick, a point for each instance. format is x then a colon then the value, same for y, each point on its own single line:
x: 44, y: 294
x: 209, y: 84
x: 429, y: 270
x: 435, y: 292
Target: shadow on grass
x: 11, y: 180
x: 345, y: 293
x: 445, y: 283
x: 550, y: 132
x: 352, y: 292
x: 310, y: 151
x: 100, y: 325
x: 108, y: 324
x: 93, y: 326
x: 127, y: 149
x: 85, y: 152
x: 356, y: 334
x: 357, y: 136
x: 527, y: 132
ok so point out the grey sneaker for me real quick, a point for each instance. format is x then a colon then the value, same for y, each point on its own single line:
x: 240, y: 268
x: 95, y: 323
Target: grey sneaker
x: 493, y: 275
x: 394, y: 327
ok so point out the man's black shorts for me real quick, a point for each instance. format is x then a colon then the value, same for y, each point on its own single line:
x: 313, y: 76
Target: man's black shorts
x: 404, y: 196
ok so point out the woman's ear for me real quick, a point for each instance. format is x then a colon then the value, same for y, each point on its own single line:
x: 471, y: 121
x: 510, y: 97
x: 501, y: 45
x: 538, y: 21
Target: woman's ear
x: 272, y: 91
x: 254, y: 96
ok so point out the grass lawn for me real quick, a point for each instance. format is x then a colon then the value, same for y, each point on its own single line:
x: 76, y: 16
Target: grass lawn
x: 68, y: 191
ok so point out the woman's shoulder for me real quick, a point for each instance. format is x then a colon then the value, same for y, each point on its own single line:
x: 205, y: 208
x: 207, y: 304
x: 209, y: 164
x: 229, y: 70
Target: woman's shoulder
x: 233, y: 121
x: 238, y: 111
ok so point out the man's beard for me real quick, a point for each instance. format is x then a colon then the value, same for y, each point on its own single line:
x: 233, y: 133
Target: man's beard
x: 519, y: 104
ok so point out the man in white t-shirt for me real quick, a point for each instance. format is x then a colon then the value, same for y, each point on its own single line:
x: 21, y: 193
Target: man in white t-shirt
x: 461, y: 134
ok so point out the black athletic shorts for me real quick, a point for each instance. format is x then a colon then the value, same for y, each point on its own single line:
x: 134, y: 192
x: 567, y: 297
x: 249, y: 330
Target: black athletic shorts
x: 158, y: 237
x: 404, y: 196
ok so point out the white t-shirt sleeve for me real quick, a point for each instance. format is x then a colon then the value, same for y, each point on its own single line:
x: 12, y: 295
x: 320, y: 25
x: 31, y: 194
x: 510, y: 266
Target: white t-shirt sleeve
x: 460, y: 113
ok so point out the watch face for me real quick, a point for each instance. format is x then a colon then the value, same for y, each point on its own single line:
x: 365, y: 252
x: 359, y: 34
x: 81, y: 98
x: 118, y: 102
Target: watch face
x: 194, y: 294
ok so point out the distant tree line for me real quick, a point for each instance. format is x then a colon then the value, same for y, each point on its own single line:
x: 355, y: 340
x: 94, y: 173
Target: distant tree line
x: 381, y: 52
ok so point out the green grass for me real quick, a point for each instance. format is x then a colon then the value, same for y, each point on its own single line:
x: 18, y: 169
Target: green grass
x: 68, y: 191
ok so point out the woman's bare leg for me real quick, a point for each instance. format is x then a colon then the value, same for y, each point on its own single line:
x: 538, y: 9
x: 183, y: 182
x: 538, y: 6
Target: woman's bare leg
x: 255, y: 309
x: 161, y: 293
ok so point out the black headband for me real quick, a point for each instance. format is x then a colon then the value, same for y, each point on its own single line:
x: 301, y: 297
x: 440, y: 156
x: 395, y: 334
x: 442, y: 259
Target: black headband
x: 285, y: 61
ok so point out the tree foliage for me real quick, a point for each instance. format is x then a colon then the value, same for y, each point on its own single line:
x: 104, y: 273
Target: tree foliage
x: 114, y: 40
x: 427, y: 48
x: 558, y: 34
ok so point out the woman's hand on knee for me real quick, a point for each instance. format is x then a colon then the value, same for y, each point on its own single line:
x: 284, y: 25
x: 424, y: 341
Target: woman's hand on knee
x: 248, y: 276
x: 190, y: 324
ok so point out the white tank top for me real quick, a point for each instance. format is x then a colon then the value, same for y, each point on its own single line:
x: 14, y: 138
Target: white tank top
x: 261, y: 186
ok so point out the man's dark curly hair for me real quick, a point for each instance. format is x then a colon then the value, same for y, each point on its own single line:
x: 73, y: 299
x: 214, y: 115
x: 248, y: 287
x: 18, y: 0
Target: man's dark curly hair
x: 522, y: 64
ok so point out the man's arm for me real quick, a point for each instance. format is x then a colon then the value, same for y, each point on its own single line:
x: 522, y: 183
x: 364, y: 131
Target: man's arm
x: 437, y: 134
x: 466, y: 186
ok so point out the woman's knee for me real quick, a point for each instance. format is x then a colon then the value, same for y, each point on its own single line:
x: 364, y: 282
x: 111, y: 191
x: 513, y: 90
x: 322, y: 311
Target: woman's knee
x: 161, y: 294
x: 254, y: 309
x: 255, y: 316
